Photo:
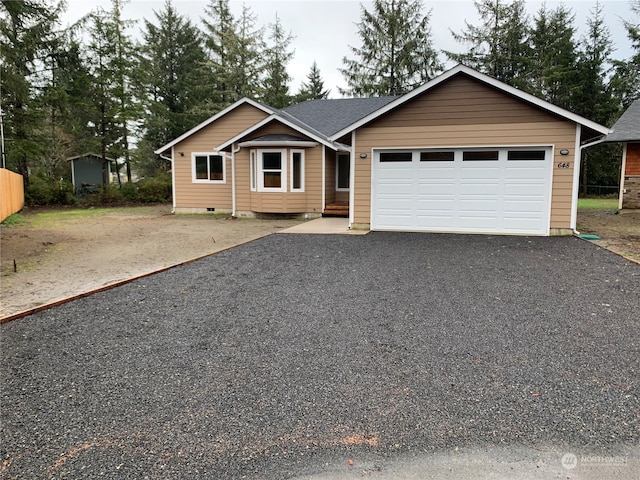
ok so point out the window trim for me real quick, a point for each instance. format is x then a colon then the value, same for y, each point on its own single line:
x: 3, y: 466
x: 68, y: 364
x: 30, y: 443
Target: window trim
x: 261, y: 171
x: 208, y: 154
x: 338, y: 188
x: 291, y: 153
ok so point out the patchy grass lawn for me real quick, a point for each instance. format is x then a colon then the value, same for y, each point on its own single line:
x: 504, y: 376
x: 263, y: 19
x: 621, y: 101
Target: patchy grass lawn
x: 598, y: 203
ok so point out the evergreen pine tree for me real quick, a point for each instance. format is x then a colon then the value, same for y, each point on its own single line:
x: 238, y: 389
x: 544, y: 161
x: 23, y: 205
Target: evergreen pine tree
x: 397, y: 52
x: 499, y: 46
x: 593, y: 99
x: 313, y: 89
x: 113, y: 63
x: 275, y: 92
x: 554, y: 56
x: 221, y: 40
x: 172, y: 74
x: 26, y: 28
x: 235, y: 50
x: 245, y: 73
x: 626, y: 80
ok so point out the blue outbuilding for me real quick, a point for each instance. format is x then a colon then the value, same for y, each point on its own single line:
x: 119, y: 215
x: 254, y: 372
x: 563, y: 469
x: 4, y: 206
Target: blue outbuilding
x: 89, y: 172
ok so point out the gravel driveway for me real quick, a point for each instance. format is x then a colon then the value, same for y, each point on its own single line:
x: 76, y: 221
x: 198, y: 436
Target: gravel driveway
x: 294, y: 354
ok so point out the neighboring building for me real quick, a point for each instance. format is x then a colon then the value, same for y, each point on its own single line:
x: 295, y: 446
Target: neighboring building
x: 627, y: 131
x: 89, y: 172
x: 463, y: 153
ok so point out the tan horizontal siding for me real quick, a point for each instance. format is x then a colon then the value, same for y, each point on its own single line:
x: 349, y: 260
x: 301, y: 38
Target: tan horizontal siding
x: 200, y: 195
x: 463, y: 101
x: 330, y: 177
x: 274, y: 128
x: 313, y: 179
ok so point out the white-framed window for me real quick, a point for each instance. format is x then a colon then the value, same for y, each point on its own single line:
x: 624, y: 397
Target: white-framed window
x: 272, y: 170
x: 252, y: 169
x: 343, y: 163
x: 208, y: 167
x: 297, y: 170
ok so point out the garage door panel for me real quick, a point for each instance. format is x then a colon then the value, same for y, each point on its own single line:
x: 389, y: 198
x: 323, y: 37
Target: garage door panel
x: 479, y: 189
x: 524, y: 189
x: 501, y: 196
x: 436, y: 189
x: 474, y: 174
x: 398, y: 204
x: 525, y: 173
x: 523, y: 208
x: 478, y: 205
x: 392, y: 220
x: 436, y: 174
x: 391, y: 189
x: 434, y: 222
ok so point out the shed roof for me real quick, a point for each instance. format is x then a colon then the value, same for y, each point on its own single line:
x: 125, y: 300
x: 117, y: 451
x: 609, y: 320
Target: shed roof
x: 85, y: 155
x: 627, y: 128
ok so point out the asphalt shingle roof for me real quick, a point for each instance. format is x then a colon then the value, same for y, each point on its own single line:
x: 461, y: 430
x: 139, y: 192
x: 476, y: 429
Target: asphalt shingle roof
x: 627, y: 128
x: 332, y: 115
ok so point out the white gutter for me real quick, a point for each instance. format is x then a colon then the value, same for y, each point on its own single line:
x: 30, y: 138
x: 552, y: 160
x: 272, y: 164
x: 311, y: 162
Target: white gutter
x: 576, y: 175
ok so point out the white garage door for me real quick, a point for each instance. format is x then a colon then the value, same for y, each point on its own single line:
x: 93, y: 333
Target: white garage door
x: 493, y: 190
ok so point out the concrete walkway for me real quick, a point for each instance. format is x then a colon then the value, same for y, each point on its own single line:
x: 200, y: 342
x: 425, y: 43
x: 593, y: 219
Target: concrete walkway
x: 325, y: 226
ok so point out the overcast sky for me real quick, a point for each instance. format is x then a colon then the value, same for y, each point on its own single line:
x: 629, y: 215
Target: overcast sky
x: 323, y: 30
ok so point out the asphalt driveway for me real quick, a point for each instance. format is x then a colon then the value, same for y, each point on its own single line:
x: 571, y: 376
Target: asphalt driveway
x: 294, y: 354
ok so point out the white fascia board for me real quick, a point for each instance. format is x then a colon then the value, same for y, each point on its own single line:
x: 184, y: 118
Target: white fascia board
x: 213, y: 119
x: 527, y: 97
x: 284, y: 121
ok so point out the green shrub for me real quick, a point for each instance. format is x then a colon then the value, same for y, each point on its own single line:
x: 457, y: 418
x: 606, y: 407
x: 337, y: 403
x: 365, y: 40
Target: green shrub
x: 154, y: 190
x: 110, y: 195
x: 147, y: 190
x: 46, y: 191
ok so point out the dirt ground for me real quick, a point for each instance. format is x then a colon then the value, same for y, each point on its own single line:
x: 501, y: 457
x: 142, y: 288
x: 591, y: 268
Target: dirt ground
x: 618, y: 232
x: 57, y: 256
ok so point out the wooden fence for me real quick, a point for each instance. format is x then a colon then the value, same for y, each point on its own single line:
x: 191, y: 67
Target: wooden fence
x: 11, y: 193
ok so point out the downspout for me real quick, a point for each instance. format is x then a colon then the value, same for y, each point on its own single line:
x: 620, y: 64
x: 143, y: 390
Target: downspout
x: 324, y: 180
x: 624, y: 167
x: 233, y: 179
x: 352, y: 177
x: 173, y: 179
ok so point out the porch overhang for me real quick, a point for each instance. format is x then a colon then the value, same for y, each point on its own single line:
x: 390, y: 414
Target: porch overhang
x: 278, y: 141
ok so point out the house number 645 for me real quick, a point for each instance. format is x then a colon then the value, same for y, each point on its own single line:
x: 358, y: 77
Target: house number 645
x: 564, y: 165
